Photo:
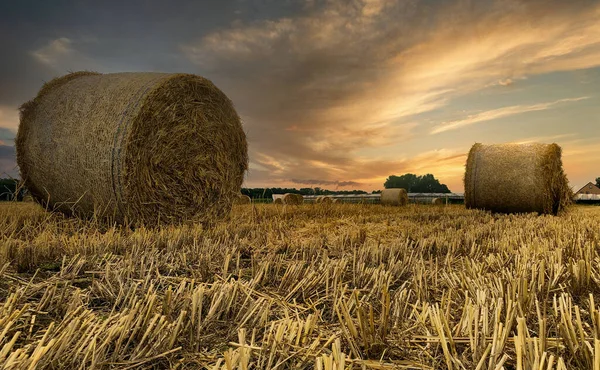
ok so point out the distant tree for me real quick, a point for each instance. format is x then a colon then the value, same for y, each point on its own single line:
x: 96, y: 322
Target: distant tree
x: 416, y: 184
x: 598, y: 182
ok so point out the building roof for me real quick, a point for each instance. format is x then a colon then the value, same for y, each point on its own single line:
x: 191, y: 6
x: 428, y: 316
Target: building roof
x: 587, y: 185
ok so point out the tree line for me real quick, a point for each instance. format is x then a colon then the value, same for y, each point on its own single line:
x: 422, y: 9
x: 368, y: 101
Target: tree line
x: 416, y: 184
x: 412, y: 183
x: 260, y: 193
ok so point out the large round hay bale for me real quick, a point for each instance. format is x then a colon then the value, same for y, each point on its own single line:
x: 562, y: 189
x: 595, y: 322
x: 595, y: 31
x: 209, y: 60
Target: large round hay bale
x: 242, y: 199
x: 293, y: 199
x: 516, y: 178
x: 438, y: 201
x: 394, y: 197
x: 138, y: 147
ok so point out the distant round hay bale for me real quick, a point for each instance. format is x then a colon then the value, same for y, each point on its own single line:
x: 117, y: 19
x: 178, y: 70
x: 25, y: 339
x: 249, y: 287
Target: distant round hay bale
x: 438, y: 201
x: 516, y: 178
x: 242, y: 199
x: 319, y: 199
x: 293, y: 199
x: 326, y: 200
x: 278, y: 201
x: 336, y: 201
x: 394, y: 197
x: 136, y: 147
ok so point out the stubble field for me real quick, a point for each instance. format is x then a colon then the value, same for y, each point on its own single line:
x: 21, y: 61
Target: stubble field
x: 324, y: 287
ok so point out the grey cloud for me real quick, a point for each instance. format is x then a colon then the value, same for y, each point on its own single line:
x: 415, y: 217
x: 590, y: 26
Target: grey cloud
x: 6, y: 135
x: 8, y: 163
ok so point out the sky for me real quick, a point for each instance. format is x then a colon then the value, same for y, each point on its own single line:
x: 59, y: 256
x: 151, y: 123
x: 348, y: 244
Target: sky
x: 339, y: 94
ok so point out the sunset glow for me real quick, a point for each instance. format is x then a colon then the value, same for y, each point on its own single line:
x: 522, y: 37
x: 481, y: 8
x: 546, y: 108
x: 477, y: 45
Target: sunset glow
x: 346, y: 93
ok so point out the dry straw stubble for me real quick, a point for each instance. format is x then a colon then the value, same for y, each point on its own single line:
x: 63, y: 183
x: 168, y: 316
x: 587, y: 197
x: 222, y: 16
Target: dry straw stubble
x: 138, y: 147
x: 516, y: 178
x: 242, y: 199
x: 368, y: 287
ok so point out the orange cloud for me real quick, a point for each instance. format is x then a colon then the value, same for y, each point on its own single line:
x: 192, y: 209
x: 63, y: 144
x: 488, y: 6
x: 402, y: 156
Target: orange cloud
x: 347, y: 75
x: 9, y: 118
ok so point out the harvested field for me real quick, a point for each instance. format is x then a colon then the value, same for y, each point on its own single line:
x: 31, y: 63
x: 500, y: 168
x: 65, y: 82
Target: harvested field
x: 344, y: 287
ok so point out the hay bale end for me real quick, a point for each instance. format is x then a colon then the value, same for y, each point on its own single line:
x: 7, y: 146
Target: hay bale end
x: 438, y: 201
x: 293, y: 199
x: 516, y: 178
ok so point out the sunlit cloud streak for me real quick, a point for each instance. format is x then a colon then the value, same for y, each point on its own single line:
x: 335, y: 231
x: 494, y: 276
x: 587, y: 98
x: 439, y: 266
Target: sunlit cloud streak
x: 500, y: 113
x: 345, y: 76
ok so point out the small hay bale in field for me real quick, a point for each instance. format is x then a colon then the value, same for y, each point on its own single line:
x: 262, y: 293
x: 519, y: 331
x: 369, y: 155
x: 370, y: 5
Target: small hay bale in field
x: 278, y: 201
x: 293, y: 199
x: 394, y: 197
x: 326, y: 200
x: 336, y: 201
x: 242, y: 199
x: 136, y: 147
x: 438, y: 201
x: 319, y: 199
x: 516, y: 178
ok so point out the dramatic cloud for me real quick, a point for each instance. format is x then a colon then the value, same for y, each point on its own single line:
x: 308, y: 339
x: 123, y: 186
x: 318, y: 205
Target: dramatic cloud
x: 499, y: 113
x: 337, y: 184
x: 319, y: 88
x: 339, y: 89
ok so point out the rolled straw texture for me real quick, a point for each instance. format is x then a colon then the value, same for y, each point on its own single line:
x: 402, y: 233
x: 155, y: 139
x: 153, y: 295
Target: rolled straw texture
x: 294, y: 199
x: 516, y: 178
x: 138, y: 147
x: 326, y: 200
x: 394, y: 197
